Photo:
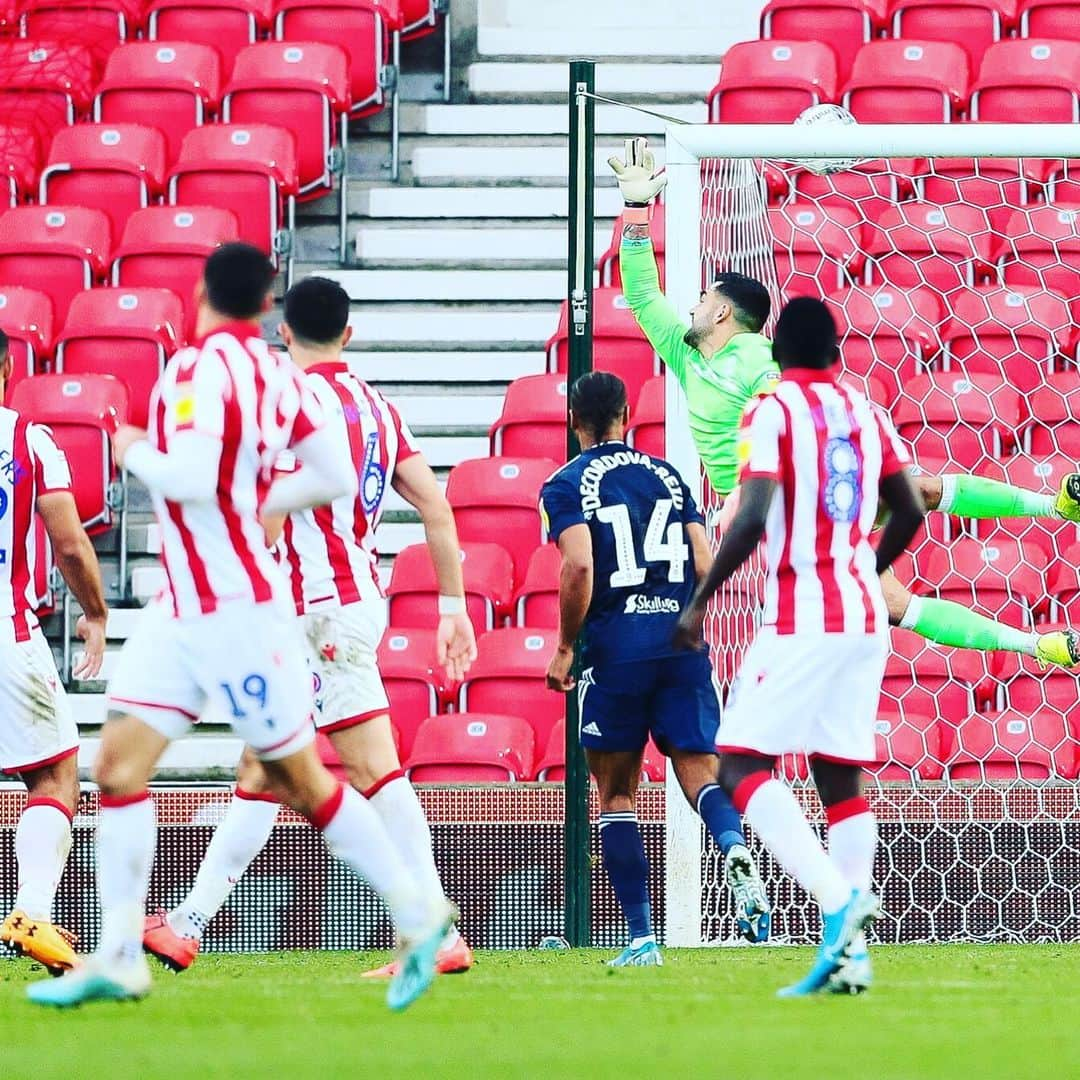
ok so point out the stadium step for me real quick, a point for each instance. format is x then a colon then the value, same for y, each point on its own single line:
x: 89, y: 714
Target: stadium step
x: 472, y: 202
x: 445, y: 327
x: 435, y: 247
x: 418, y: 366
x: 454, y: 407
x: 367, y: 285
x: 634, y: 82
x: 514, y: 119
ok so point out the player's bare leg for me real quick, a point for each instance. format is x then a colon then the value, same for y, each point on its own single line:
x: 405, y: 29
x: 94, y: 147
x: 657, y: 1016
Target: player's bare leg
x: 697, y: 776
x: 949, y: 623
x: 42, y: 845
x: 371, y: 763
x: 618, y: 775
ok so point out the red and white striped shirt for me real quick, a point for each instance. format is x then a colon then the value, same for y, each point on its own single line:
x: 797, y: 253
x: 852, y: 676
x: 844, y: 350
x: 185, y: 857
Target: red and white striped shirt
x: 330, y: 551
x: 234, y: 388
x: 828, y: 448
x: 31, y: 465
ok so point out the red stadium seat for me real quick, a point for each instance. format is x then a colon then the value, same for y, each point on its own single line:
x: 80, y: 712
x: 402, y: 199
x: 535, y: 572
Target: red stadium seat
x: 845, y: 24
x: 1036, y: 80
x: 959, y: 419
x: 471, y: 748
x: 772, y: 81
x: 26, y: 316
x: 1041, y: 473
x: 924, y: 679
x: 537, y: 601
x: 533, y: 419
x: 867, y: 189
x: 1027, y: 689
x: 998, y: 577
x: 1055, y: 415
x: 1041, y: 247
x: 414, y: 589
x: 1063, y: 585
x: 1050, y: 19
x: 552, y: 764
x: 1015, y: 333
x: 249, y: 169
x: 362, y: 28
x: 117, y: 168
x: 302, y: 87
x: 414, y: 682
x: 226, y: 25
x: 944, y: 247
x: 129, y: 333
x: 420, y: 17
x: 498, y: 497
x: 646, y: 430
x: 814, y: 248
x: 997, y: 185
x: 907, y: 746
x: 45, y: 85
x: 888, y: 333
x: 908, y: 82
x: 177, y: 84
x: 608, y: 265
x: 99, y: 25
x: 60, y: 250
x: 509, y: 673
x: 166, y: 246
x: 619, y: 345
x: 82, y: 411
x: 974, y: 25
x: 20, y: 162
x: 1006, y: 745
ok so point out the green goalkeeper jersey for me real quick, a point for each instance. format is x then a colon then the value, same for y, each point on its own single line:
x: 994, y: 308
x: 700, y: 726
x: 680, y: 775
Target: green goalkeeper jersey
x: 718, y: 389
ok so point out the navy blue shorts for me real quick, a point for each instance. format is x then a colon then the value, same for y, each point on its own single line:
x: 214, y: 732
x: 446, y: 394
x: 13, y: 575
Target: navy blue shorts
x: 673, y: 699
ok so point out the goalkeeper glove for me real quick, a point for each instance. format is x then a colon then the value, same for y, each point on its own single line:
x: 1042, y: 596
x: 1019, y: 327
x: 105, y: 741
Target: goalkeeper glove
x: 635, y: 175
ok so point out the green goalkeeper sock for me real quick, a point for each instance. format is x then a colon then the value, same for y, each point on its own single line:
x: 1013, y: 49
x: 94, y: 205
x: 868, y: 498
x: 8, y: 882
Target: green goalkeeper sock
x: 947, y: 623
x: 978, y: 497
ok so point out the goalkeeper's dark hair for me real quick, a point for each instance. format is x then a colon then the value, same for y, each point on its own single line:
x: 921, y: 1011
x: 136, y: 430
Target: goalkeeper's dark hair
x: 805, y: 335
x: 598, y: 401
x: 238, y: 278
x: 748, y: 297
x: 317, y: 311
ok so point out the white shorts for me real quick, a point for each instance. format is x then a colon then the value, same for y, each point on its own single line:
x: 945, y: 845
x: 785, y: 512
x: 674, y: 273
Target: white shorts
x: 342, y: 646
x: 244, y: 661
x: 815, y: 694
x: 36, y: 725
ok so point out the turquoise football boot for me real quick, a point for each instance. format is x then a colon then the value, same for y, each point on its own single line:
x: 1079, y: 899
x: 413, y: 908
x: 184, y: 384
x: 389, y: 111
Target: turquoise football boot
x: 647, y: 955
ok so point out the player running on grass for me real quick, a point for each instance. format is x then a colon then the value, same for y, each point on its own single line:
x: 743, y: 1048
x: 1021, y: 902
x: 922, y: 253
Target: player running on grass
x: 38, y: 737
x: 330, y: 556
x: 633, y: 548
x: 821, y: 456
x: 722, y: 361
x: 221, y: 414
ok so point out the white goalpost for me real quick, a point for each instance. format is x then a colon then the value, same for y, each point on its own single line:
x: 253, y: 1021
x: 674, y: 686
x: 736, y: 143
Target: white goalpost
x: 980, y: 827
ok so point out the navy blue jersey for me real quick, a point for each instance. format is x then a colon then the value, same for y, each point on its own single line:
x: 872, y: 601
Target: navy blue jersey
x: 637, y: 509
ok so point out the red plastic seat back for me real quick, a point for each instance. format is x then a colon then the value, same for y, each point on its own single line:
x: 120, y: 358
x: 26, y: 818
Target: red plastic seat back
x: 1055, y: 416
x: 1050, y: 19
x: 906, y: 745
x: 974, y: 25
x: 20, y: 161
x: 166, y: 247
x: 26, y: 316
x: 228, y: 26
x: 1005, y: 745
x: 98, y: 25
x: 538, y: 597
x: 646, y: 430
x: 1041, y: 248
x: 414, y: 682
x: 533, y: 419
x: 1036, y: 80
x: 472, y: 748
x: 814, y: 247
x: 845, y: 24
x: 996, y: 185
x: 45, y: 85
x: 82, y: 411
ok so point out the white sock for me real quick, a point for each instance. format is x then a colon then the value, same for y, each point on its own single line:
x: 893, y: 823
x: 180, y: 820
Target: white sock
x: 355, y: 834
x: 242, y: 834
x: 853, y: 838
x: 42, y: 844
x: 777, y: 818
x: 126, y: 834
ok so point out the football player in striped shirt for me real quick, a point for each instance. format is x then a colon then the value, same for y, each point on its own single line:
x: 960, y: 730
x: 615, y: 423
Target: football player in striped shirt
x: 329, y: 554
x: 821, y: 456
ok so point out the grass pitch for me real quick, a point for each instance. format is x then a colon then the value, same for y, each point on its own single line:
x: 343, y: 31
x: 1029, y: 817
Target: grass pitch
x: 969, y: 1012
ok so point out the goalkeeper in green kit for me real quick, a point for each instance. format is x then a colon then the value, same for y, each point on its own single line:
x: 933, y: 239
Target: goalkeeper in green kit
x: 722, y: 361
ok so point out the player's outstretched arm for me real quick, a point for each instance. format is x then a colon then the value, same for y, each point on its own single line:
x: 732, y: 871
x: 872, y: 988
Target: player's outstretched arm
x: 739, y: 542
x: 456, y: 640
x: 575, y: 595
x: 77, y: 560
x: 906, y: 512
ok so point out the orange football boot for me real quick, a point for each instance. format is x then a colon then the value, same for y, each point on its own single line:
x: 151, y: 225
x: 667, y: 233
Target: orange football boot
x: 43, y: 941
x: 452, y: 959
x: 162, y: 941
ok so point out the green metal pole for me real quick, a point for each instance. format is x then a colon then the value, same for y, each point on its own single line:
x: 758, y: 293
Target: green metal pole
x: 580, y: 294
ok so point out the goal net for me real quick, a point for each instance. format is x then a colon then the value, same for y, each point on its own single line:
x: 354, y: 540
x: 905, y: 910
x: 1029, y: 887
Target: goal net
x: 949, y: 257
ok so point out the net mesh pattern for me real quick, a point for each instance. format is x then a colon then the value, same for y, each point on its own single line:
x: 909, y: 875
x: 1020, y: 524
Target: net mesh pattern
x: 955, y: 287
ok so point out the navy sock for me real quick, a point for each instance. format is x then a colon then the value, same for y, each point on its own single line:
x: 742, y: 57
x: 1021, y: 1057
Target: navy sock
x: 720, y: 817
x: 628, y: 869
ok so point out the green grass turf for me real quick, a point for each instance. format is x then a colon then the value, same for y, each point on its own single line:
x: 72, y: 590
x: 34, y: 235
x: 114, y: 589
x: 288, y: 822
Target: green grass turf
x: 968, y: 1012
